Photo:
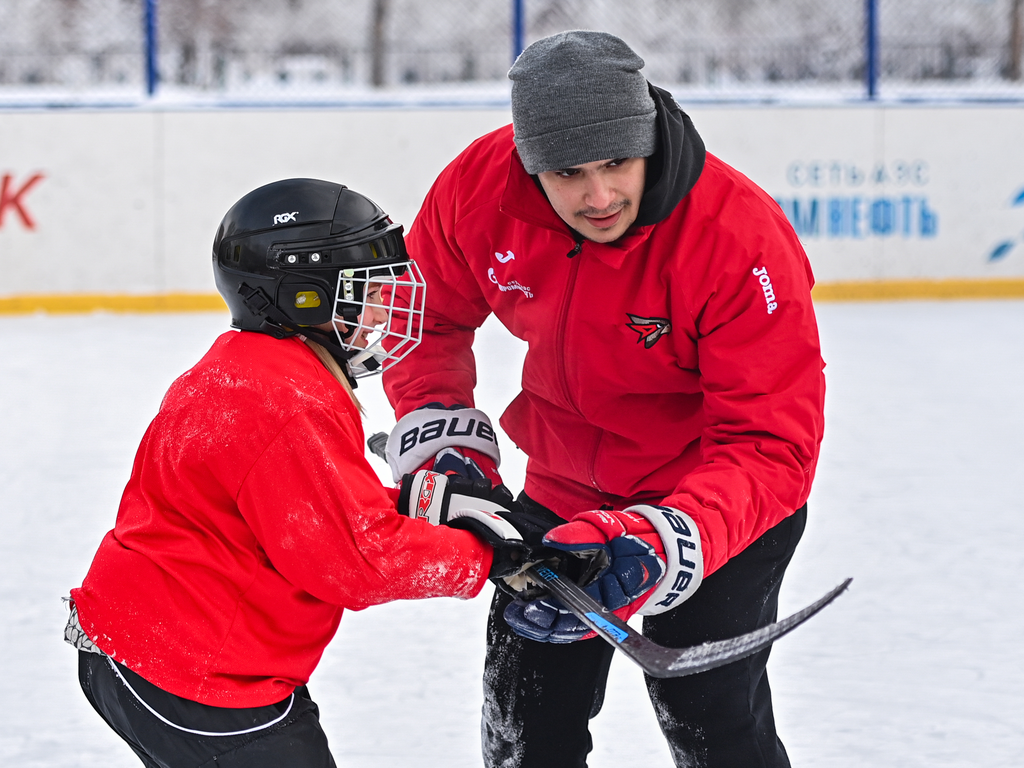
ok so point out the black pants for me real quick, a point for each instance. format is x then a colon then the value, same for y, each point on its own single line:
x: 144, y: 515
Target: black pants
x: 538, y: 697
x: 284, y: 734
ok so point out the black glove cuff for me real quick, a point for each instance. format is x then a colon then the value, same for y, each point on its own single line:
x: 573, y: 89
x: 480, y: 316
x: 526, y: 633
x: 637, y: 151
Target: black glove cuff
x: 405, y: 490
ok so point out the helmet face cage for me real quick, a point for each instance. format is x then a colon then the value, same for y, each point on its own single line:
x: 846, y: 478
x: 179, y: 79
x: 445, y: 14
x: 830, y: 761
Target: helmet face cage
x: 367, y: 294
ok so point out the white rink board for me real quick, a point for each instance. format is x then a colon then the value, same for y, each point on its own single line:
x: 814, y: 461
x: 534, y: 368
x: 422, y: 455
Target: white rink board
x: 128, y: 201
x: 896, y: 192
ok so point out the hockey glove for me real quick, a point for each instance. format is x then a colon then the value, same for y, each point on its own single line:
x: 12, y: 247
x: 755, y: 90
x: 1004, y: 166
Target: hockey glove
x: 647, y: 559
x: 452, y: 441
x: 490, y: 513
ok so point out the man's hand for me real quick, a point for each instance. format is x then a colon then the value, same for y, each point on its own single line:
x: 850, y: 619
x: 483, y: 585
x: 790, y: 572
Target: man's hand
x: 647, y: 560
x: 452, y: 441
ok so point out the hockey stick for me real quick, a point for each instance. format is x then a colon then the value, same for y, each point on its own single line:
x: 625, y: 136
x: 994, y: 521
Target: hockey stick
x: 656, y: 660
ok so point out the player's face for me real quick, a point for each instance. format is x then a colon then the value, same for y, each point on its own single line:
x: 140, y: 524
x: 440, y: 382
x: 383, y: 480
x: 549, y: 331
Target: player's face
x: 600, y: 200
x: 373, y: 316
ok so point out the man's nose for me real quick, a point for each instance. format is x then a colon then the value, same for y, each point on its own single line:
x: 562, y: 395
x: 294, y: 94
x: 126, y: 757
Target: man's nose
x: 599, y: 193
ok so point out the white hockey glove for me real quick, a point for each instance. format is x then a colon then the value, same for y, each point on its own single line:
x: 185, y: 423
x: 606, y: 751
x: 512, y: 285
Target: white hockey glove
x: 452, y: 441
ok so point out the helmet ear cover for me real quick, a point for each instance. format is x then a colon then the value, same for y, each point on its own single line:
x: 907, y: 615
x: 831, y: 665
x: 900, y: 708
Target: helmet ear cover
x: 305, y: 302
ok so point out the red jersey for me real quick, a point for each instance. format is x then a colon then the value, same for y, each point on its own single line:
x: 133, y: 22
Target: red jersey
x: 678, y: 365
x: 250, y: 522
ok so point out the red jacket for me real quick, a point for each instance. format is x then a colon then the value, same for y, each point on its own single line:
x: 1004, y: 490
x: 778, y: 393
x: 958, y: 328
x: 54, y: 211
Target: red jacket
x: 677, y: 365
x: 251, y: 520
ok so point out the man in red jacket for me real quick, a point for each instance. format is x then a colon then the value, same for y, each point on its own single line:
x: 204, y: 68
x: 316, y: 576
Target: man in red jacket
x: 671, y: 396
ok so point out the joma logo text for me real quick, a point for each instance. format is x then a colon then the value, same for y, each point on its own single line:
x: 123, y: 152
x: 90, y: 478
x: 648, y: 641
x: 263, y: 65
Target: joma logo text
x: 766, y: 286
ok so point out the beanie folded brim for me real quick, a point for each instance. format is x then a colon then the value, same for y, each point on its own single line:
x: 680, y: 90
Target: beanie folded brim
x: 631, y: 136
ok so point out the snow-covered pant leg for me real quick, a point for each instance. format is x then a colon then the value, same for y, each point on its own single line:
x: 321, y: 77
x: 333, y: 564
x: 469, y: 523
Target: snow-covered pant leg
x: 538, y: 697
x: 724, y: 718
x: 284, y: 734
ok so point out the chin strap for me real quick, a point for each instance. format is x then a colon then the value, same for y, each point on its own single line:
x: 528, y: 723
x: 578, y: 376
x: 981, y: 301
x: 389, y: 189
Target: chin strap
x: 342, y: 357
x: 367, y: 359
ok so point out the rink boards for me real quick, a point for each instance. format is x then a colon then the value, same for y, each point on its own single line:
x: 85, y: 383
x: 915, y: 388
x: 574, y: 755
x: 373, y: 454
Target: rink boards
x: 118, y: 208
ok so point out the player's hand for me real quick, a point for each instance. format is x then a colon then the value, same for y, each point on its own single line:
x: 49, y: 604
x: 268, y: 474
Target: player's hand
x: 474, y: 505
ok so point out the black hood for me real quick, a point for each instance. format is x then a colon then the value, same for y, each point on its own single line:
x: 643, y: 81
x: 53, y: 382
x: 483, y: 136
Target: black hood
x: 676, y: 164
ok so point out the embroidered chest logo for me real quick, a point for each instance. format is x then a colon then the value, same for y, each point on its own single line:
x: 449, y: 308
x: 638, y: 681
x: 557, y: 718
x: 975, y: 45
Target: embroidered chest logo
x: 512, y: 285
x: 649, y: 329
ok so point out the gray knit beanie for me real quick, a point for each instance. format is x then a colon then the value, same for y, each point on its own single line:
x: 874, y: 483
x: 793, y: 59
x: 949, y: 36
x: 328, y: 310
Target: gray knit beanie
x: 578, y: 97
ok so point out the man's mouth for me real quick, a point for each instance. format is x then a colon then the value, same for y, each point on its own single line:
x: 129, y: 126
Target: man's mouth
x: 604, y: 221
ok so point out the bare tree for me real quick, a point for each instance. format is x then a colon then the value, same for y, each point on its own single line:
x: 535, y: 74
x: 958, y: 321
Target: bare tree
x: 1013, y: 70
x: 197, y: 30
x: 378, y: 43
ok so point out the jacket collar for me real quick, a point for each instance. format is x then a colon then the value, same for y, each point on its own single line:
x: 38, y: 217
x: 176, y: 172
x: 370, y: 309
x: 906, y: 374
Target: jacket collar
x: 675, y: 166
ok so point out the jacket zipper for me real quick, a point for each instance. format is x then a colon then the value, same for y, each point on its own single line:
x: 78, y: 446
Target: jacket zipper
x: 563, y: 320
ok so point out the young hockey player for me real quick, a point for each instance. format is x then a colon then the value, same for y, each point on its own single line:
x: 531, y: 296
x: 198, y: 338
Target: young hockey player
x: 252, y: 519
x: 672, y: 392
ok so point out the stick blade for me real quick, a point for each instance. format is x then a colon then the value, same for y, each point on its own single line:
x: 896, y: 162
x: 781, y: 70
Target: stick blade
x: 658, y: 661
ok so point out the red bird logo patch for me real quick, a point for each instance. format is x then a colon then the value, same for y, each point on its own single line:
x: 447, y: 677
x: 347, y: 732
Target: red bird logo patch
x: 649, y: 329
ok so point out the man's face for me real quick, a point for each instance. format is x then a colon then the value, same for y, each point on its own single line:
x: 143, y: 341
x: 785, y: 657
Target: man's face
x: 600, y: 200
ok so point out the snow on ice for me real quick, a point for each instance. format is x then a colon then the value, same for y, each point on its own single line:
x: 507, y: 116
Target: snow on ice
x: 919, y: 497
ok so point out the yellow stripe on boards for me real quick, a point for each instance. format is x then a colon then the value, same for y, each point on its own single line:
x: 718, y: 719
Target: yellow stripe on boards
x: 897, y: 290
x: 864, y: 290
x: 71, y: 303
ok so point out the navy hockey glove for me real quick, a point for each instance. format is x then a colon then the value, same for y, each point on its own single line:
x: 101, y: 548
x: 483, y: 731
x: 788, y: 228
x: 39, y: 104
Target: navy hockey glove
x: 452, y: 441
x: 473, y: 505
x: 631, y: 552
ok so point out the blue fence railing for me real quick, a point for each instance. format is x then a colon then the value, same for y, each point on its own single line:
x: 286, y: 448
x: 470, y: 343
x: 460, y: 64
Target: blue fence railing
x: 871, y: 48
x: 152, y: 44
x: 327, y: 51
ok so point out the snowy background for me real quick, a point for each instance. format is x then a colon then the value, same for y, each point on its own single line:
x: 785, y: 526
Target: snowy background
x: 918, y: 497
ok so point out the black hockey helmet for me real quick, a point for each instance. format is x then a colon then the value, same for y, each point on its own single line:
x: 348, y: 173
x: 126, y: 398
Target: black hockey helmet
x: 297, y: 253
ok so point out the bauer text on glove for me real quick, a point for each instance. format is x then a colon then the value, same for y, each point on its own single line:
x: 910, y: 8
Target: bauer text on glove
x: 455, y: 440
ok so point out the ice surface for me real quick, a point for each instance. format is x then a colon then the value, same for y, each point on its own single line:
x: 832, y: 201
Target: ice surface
x: 919, y: 497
